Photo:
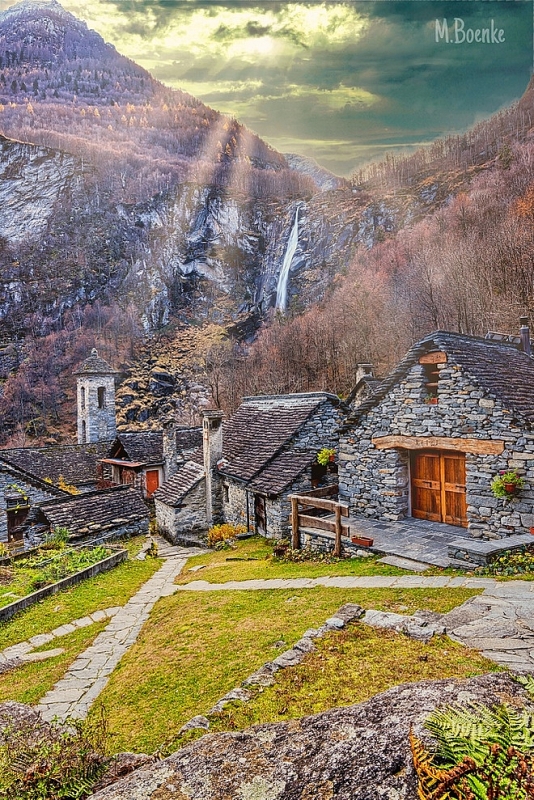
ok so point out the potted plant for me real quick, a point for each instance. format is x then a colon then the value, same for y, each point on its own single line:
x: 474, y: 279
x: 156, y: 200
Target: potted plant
x: 507, y: 484
x: 431, y: 400
x: 326, y: 455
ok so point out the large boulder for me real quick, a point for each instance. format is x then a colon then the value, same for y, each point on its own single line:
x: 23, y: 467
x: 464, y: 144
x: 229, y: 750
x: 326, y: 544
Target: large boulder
x: 355, y: 753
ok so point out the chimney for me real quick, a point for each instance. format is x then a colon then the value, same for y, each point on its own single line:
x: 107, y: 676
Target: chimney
x: 361, y: 371
x: 170, y: 453
x: 212, y: 443
x: 524, y: 334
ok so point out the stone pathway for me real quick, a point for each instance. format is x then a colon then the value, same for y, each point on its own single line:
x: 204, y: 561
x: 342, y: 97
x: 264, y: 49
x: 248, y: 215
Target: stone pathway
x: 499, y: 623
x: 87, y: 676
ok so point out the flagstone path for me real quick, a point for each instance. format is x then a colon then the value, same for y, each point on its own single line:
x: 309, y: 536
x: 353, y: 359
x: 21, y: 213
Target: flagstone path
x: 499, y: 623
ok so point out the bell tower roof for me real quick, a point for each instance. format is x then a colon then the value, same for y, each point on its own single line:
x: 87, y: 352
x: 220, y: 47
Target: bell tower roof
x: 94, y: 365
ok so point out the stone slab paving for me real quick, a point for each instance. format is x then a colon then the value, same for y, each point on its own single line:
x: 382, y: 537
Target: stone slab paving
x: 87, y: 676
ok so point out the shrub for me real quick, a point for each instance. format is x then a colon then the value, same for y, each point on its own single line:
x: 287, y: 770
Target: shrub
x: 516, y: 562
x: 49, y: 762
x: 221, y: 533
x: 324, y: 455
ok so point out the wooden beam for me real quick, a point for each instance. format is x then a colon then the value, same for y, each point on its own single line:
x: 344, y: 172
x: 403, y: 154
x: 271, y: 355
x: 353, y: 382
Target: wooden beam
x: 316, y: 502
x: 321, y: 524
x: 337, y: 546
x: 482, y: 446
x: 295, y: 537
x: 434, y: 358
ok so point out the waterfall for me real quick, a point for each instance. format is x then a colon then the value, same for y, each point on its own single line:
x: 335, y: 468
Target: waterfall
x: 281, y: 289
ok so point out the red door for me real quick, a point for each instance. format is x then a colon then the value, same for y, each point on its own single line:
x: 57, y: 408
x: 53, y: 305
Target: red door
x: 438, y: 486
x: 152, y: 481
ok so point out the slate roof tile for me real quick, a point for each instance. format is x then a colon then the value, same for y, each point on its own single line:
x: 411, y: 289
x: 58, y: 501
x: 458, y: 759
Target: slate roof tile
x: 77, y: 463
x: 282, y: 471
x: 261, y: 427
x: 93, y: 512
x: 173, y: 490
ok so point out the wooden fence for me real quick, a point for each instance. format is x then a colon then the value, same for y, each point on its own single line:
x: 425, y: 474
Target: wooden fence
x: 317, y: 499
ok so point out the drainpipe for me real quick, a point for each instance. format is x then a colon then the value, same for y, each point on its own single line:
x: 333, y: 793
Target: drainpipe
x: 524, y: 333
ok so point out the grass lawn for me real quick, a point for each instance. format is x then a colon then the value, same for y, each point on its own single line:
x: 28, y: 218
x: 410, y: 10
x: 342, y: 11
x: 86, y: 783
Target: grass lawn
x: 27, y: 684
x: 218, y: 569
x: 351, y: 666
x: 113, y: 588
x: 197, y: 646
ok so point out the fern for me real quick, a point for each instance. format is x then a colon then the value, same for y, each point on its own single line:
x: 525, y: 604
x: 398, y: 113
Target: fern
x: 481, y: 754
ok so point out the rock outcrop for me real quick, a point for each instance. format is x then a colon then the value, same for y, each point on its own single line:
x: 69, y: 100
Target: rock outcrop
x: 355, y: 753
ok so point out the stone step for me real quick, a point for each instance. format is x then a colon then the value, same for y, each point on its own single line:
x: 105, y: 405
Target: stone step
x: 483, y: 551
x: 404, y: 563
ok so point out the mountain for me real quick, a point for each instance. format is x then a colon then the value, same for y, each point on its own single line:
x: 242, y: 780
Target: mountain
x: 127, y: 207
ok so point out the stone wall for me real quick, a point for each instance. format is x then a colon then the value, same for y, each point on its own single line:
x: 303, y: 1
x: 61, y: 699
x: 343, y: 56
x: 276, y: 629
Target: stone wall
x: 35, y: 496
x: 189, y: 517
x: 376, y: 482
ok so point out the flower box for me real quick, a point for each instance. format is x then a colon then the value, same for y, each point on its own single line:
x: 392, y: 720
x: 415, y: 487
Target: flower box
x: 362, y: 541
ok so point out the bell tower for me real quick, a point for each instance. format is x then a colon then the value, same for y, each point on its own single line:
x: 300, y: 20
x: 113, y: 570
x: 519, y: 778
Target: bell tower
x: 95, y: 400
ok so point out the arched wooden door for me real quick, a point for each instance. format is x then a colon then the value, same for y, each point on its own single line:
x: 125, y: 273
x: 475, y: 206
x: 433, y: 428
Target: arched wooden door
x: 438, y: 486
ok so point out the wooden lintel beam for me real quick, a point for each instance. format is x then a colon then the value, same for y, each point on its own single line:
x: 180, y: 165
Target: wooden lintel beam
x: 434, y: 358
x: 481, y: 446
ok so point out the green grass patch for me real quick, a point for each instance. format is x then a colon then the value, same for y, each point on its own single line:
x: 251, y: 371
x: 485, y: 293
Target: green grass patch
x: 351, y: 666
x: 27, y: 575
x: 219, y: 566
x: 196, y: 646
x: 113, y: 588
x: 30, y: 682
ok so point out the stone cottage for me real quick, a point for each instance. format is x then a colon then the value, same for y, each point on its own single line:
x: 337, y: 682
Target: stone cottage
x: 454, y: 413
x: 251, y: 464
x: 269, y: 452
x: 146, y: 459
x: 119, y: 511
x: 20, y: 491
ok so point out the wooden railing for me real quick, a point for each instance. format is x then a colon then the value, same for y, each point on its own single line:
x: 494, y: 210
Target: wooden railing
x: 315, y: 499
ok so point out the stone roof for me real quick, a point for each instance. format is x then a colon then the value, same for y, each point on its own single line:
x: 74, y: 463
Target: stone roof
x: 261, y: 427
x: 143, y: 446
x: 95, y: 512
x: 175, y: 489
x: 498, y: 368
x: 23, y: 476
x: 94, y: 365
x: 281, y: 472
x: 77, y: 463
x: 146, y: 447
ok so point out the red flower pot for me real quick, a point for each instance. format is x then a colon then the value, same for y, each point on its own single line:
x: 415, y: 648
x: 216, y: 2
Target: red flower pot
x: 362, y: 541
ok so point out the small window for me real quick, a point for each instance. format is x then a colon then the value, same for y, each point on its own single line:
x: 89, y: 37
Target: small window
x: 84, y: 432
x: 431, y: 375
x: 82, y: 398
x: 226, y: 494
x: 101, y: 396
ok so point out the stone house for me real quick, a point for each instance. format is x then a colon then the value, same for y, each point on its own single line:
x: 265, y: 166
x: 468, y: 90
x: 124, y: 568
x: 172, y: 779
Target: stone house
x: 76, y: 464
x: 20, y: 491
x: 181, y: 503
x: 453, y: 414
x: 146, y: 459
x: 119, y: 511
x: 269, y: 452
x: 251, y: 464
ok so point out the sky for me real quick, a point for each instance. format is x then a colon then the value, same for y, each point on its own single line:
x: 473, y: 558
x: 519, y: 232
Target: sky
x: 342, y: 82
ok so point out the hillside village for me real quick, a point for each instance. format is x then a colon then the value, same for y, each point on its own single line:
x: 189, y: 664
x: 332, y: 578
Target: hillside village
x: 266, y: 433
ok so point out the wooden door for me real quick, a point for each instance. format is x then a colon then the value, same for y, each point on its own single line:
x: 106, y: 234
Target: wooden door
x: 260, y: 514
x: 152, y: 481
x: 438, y: 486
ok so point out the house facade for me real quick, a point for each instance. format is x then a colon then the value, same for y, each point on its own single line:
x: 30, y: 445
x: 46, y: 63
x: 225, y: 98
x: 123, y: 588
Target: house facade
x: 269, y: 452
x: 456, y: 412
